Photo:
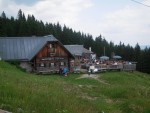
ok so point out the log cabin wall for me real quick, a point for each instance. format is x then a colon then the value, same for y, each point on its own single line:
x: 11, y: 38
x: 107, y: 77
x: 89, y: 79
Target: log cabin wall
x: 51, y: 58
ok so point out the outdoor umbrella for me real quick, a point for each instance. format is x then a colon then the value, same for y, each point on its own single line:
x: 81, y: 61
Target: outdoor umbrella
x: 117, y: 57
x: 104, y: 58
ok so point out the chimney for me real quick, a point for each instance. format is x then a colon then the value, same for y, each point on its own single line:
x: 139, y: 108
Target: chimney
x: 89, y: 48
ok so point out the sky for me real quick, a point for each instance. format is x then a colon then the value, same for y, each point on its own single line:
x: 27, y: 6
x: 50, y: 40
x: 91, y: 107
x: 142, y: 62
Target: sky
x: 116, y: 20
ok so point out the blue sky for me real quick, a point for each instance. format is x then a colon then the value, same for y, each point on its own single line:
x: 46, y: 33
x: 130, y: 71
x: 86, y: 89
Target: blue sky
x: 115, y: 20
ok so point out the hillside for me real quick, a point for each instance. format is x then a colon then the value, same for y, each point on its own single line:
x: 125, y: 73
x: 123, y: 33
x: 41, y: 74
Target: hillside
x: 111, y: 92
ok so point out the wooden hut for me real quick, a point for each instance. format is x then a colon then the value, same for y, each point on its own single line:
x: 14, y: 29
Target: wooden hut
x: 41, y: 54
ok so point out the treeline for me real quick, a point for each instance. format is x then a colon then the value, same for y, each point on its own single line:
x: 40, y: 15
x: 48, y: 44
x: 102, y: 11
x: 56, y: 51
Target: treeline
x: 30, y: 26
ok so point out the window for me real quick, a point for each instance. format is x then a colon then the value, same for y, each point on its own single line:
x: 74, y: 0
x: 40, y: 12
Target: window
x: 51, y: 46
x: 66, y: 63
x: 47, y: 64
x: 51, y: 50
x: 62, y: 63
x: 57, y: 64
x: 42, y: 64
x: 52, y: 64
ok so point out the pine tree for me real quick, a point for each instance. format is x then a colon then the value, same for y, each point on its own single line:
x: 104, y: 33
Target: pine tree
x: 3, y: 28
x: 3, y: 15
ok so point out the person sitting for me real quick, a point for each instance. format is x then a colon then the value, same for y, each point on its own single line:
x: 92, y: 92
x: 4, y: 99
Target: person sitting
x: 115, y: 63
x: 65, y: 71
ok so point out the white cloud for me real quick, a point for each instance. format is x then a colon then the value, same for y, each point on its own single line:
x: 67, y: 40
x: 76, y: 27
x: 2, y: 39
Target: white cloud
x: 128, y: 25
x: 10, y: 7
x: 64, y: 11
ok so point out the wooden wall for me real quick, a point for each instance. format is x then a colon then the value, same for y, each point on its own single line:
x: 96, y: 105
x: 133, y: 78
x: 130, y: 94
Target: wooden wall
x: 51, y: 57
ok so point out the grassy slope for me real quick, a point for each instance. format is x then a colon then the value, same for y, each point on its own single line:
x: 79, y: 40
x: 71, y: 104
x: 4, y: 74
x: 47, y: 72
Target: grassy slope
x: 28, y: 93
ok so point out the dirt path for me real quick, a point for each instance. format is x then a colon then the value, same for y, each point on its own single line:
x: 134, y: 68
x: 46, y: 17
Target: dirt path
x: 93, y: 76
x: 3, y: 111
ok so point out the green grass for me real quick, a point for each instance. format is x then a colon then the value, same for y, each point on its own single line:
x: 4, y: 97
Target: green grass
x: 124, y: 92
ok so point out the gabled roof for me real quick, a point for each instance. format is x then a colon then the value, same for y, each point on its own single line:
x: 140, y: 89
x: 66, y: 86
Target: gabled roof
x: 24, y: 48
x: 77, y: 50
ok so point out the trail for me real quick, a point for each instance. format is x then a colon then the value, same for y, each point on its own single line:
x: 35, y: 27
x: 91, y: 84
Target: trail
x: 3, y: 111
x: 93, y: 76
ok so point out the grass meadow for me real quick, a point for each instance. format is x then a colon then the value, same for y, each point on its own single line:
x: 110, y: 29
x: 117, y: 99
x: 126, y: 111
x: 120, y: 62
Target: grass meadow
x: 119, y: 92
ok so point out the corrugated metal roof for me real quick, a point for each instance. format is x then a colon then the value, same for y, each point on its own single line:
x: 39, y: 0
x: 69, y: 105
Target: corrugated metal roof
x: 22, y: 48
x: 75, y: 49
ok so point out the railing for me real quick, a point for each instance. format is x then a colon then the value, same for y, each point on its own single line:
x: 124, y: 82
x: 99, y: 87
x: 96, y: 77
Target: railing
x: 119, y: 66
x: 129, y: 67
x: 100, y: 67
x: 103, y: 66
x: 115, y: 67
x: 45, y: 70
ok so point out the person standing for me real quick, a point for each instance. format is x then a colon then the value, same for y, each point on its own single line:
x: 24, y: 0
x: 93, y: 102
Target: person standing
x: 91, y: 68
x: 89, y: 71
